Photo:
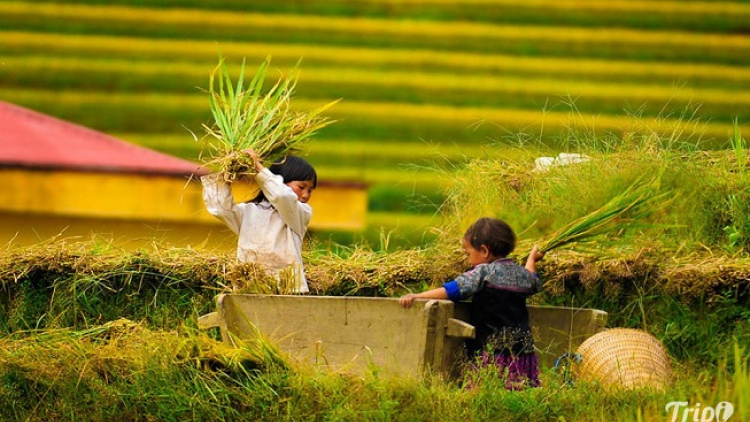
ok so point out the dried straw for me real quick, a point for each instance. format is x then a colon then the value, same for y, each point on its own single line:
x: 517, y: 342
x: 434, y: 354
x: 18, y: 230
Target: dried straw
x: 110, y: 270
x: 122, y: 349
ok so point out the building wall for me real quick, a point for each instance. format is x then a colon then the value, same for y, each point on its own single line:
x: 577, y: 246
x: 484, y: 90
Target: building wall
x: 36, y: 205
x: 26, y: 229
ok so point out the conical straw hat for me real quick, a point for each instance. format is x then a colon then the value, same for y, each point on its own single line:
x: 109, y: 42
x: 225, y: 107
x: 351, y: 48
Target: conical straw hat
x: 623, y: 359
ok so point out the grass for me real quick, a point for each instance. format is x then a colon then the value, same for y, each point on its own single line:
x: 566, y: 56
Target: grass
x: 66, y: 354
x: 359, y: 155
x: 536, y: 204
x: 230, y: 20
x: 125, y: 371
x: 625, y: 211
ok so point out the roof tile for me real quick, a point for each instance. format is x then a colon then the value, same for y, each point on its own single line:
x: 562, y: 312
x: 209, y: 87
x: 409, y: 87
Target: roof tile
x: 32, y: 139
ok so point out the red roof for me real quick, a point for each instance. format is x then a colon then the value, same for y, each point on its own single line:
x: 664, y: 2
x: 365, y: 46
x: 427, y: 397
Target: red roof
x: 35, y: 140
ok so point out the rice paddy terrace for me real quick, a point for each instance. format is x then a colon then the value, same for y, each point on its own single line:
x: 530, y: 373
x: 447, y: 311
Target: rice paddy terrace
x: 418, y: 79
x: 421, y: 81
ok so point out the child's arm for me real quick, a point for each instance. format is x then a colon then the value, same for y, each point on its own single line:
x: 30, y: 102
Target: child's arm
x: 462, y: 287
x: 294, y: 213
x: 217, y: 195
x: 439, y: 293
x: 534, y: 256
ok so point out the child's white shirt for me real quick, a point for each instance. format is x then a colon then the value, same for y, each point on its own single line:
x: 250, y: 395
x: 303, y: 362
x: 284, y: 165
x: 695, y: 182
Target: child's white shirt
x: 270, y: 232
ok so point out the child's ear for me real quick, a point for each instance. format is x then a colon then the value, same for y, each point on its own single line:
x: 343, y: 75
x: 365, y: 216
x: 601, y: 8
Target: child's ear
x: 484, y: 250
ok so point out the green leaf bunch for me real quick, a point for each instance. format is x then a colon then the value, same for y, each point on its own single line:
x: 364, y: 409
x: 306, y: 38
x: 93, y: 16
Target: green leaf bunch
x: 627, y: 210
x: 249, y: 117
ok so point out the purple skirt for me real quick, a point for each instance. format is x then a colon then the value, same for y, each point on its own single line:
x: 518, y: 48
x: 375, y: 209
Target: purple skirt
x: 518, y: 371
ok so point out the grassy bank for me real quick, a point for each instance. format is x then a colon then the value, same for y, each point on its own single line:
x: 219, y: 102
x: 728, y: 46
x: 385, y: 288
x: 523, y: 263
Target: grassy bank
x: 123, y: 371
x: 94, y: 332
x: 68, y: 354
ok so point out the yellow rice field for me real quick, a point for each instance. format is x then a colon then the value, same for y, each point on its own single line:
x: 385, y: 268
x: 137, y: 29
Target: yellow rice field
x: 120, y: 48
x: 491, y: 85
x: 428, y: 113
x: 368, y: 26
x: 681, y: 7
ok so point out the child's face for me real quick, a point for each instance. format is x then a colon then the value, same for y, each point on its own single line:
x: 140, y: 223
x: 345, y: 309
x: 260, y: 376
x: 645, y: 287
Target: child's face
x: 303, y: 189
x: 477, y: 256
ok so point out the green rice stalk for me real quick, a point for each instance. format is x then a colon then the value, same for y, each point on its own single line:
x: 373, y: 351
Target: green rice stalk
x: 247, y: 117
x: 739, y: 148
x: 624, y: 211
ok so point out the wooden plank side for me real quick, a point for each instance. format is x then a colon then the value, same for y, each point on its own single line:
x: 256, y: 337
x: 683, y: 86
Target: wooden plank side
x: 557, y: 330
x: 340, y: 333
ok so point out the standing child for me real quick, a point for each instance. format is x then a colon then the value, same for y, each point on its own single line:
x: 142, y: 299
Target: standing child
x: 498, y: 288
x: 271, y: 226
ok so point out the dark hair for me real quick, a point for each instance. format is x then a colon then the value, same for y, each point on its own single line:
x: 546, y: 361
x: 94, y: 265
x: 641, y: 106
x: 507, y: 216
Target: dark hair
x: 494, y: 233
x: 291, y: 169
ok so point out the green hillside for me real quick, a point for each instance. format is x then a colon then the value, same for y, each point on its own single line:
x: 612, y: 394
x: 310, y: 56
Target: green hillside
x: 420, y: 80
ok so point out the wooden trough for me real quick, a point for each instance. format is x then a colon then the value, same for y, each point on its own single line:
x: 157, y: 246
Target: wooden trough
x: 351, y: 334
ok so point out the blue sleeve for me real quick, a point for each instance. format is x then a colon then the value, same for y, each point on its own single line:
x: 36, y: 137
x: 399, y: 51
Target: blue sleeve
x: 536, y: 285
x: 471, y: 281
x: 454, y: 292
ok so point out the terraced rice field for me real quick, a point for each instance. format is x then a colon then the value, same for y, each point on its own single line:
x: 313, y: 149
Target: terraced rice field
x: 419, y: 80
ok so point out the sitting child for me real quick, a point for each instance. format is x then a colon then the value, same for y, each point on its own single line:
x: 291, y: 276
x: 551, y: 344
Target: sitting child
x: 498, y: 288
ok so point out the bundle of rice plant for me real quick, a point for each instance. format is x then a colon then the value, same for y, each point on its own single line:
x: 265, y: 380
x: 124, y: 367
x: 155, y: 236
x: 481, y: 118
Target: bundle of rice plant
x: 247, y: 117
x: 625, y: 211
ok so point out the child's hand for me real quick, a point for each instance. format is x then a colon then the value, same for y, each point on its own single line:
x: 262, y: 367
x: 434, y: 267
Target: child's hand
x: 256, y: 159
x: 407, y: 300
x: 535, y: 254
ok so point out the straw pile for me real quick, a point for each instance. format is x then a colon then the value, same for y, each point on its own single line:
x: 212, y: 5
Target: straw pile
x: 363, y: 272
x: 369, y: 273
x: 120, y: 351
x: 105, y: 262
x: 706, y: 278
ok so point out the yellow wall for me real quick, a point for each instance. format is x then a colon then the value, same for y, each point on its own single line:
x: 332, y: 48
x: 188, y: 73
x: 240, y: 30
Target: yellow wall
x: 25, y: 229
x: 38, y: 204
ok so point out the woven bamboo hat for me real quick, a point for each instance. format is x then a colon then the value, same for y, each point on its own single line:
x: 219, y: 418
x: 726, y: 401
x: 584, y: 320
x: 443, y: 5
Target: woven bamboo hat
x: 624, y: 359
